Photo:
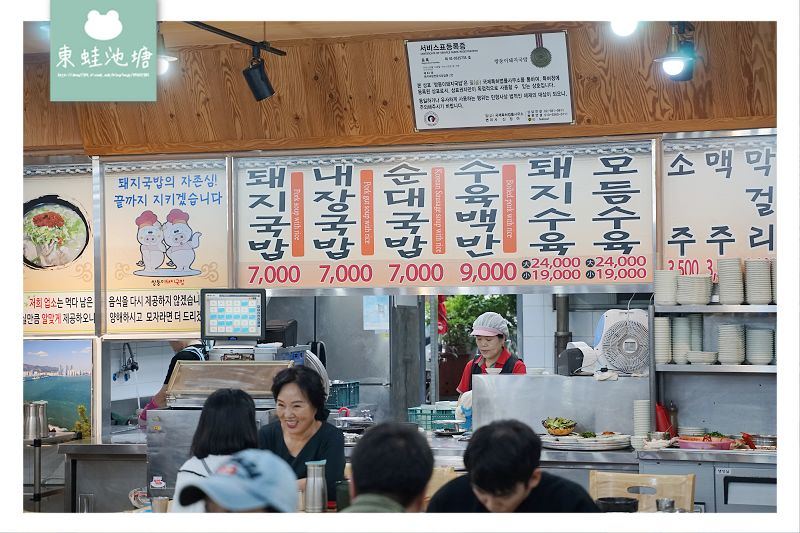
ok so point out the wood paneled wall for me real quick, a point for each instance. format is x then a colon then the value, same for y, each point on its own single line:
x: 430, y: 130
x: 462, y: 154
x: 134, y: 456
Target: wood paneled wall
x: 355, y: 92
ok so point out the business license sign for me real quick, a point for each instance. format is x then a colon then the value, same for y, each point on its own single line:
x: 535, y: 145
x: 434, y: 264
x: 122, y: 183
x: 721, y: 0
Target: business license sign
x: 103, y: 50
x: 490, y: 81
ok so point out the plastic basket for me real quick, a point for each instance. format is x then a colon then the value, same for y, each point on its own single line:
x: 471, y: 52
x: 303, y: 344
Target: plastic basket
x: 425, y: 418
x: 342, y: 394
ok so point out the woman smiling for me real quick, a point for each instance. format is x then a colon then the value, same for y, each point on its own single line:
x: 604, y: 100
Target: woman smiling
x: 301, y: 433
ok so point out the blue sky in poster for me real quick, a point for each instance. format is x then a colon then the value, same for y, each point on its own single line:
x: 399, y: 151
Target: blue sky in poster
x: 75, y: 352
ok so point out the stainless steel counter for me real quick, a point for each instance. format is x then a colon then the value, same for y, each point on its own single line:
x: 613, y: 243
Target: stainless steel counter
x: 717, y: 456
x: 106, y: 466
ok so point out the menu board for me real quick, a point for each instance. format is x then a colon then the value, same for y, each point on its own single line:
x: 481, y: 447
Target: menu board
x: 719, y: 199
x: 508, y: 80
x: 58, y: 251
x: 559, y: 215
x: 166, y: 237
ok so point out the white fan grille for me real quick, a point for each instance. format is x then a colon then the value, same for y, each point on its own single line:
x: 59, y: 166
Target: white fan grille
x: 625, y: 346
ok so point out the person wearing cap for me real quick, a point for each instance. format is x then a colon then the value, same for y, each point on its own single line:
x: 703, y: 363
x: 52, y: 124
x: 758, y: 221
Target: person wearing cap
x: 251, y: 481
x: 185, y: 350
x: 491, y: 332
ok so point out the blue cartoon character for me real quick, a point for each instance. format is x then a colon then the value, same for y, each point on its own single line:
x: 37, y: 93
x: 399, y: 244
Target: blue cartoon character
x: 181, y: 241
x: 151, y: 240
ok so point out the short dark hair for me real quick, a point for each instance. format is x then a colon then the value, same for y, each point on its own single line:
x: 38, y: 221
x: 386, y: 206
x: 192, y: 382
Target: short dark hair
x: 309, y: 382
x: 392, y: 460
x: 502, y: 454
x: 227, y: 424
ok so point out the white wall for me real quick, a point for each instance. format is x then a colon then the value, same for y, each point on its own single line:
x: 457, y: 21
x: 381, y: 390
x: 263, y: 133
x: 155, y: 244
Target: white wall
x: 153, y: 358
x: 539, y: 325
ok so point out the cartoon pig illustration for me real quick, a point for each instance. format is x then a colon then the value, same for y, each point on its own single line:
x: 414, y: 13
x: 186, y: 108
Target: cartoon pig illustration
x: 151, y: 239
x: 181, y: 240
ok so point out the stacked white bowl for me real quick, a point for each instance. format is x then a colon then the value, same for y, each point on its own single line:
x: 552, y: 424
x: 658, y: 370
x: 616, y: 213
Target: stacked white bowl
x: 663, y: 340
x: 681, y: 339
x: 758, y: 281
x: 701, y: 358
x: 666, y: 285
x: 773, y: 268
x: 731, y: 344
x: 641, y: 417
x: 731, y: 284
x: 695, y: 331
x: 760, y: 344
x: 637, y: 441
x: 694, y: 290
x: 691, y: 431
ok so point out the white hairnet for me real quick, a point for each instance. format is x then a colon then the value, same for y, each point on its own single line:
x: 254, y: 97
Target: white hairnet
x: 490, y: 324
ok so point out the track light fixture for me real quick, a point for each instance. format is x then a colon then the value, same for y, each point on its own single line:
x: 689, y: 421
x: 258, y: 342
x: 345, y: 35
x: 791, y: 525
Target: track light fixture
x: 255, y: 73
x: 165, y: 57
x: 678, y: 61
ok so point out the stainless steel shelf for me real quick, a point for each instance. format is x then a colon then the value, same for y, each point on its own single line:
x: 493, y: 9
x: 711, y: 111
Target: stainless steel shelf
x: 719, y: 369
x: 716, y: 308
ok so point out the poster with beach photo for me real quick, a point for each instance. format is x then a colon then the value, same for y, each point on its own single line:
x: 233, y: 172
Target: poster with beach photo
x: 58, y: 371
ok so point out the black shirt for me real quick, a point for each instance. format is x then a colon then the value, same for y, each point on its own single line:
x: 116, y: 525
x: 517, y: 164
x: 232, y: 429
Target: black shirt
x: 327, y: 443
x: 193, y: 352
x: 552, y: 495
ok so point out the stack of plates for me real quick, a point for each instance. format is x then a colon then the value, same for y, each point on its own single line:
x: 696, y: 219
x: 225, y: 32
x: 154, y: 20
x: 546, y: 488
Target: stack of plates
x: 694, y: 290
x: 758, y: 281
x: 759, y: 346
x: 641, y: 417
x: 578, y: 443
x: 773, y: 265
x: 663, y: 340
x: 690, y: 431
x: 666, y: 285
x: 702, y: 358
x: 731, y: 285
x: 696, y: 332
x: 681, y: 339
x: 731, y: 344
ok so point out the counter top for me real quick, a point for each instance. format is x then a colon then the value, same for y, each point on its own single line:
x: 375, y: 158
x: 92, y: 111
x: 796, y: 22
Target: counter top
x: 133, y: 442
x: 719, y: 456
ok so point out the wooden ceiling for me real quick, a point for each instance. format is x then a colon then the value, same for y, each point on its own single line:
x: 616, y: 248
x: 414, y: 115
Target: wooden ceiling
x: 36, y: 40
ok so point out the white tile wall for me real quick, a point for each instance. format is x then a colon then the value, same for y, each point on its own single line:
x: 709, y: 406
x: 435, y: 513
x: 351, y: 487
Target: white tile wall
x: 153, y: 358
x: 539, y: 324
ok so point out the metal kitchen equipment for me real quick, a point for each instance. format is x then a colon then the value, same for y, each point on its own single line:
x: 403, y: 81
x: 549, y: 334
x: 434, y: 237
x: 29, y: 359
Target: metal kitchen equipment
x: 35, y: 418
x: 170, y: 430
x: 316, y: 487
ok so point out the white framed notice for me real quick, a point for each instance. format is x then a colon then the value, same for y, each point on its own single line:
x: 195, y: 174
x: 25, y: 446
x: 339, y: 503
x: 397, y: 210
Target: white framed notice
x: 510, y: 80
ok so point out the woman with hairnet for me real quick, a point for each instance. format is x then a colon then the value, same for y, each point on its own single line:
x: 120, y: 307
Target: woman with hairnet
x: 491, y: 332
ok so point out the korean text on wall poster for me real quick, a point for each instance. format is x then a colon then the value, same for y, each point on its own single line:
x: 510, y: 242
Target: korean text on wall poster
x: 58, y: 253
x: 558, y: 215
x: 166, y: 238
x: 719, y: 199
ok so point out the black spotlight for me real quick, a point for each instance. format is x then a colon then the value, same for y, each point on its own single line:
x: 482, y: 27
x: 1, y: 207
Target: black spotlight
x: 256, y: 76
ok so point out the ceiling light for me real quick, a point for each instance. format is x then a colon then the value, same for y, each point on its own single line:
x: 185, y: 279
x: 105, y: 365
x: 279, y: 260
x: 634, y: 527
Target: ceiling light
x: 255, y: 73
x: 624, y: 28
x: 678, y: 61
x: 165, y: 57
x: 256, y: 76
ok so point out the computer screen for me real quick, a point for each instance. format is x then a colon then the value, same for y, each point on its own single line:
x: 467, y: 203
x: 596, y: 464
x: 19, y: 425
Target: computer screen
x: 232, y: 314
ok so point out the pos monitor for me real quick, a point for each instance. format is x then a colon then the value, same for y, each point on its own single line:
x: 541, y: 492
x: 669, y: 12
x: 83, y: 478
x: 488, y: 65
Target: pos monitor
x: 233, y: 314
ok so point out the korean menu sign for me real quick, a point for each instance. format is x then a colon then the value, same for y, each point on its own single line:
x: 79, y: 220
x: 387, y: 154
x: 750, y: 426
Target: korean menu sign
x: 558, y: 215
x: 719, y: 199
x: 490, y: 81
x: 58, y: 251
x: 166, y: 235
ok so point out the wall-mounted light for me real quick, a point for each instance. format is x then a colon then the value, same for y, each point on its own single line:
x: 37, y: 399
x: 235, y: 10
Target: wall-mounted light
x: 165, y: 57
x: 678, y: 61
x: 624, y: 28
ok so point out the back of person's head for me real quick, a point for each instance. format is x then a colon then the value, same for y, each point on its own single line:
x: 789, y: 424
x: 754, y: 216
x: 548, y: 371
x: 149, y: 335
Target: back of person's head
x: 251, y: 480
x: 502, y: 454
x: 309, y: 382
x: 392, y: 460
x: 227, y: 424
